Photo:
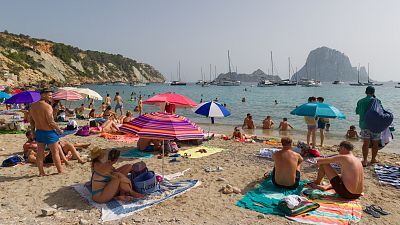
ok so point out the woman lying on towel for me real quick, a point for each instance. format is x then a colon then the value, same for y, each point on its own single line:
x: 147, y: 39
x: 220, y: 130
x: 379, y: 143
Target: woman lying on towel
x: 107, y: 182
x: 238, y: 136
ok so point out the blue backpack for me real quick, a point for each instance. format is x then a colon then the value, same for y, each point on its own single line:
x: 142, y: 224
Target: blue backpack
x: 12, y: 161
x: 376, y: 118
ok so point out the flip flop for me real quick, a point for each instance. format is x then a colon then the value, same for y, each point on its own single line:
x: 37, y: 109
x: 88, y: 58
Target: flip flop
x: 379, y: 209
x: 371, y: 212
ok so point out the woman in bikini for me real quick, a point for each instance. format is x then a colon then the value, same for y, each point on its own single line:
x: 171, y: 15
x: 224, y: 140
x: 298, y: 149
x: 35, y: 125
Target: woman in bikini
x: 107, y: 182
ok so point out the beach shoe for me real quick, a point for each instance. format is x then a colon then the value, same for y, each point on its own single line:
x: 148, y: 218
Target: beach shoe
x: 371, y: 212
x: 379, y: 209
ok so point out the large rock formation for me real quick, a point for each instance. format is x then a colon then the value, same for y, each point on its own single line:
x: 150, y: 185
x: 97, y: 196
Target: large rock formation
x: 327, y: 64
x: 28, y: 61
x: 256, y: 76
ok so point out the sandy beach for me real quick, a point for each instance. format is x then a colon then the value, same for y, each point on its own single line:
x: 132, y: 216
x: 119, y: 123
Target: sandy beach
x: 23, y: 194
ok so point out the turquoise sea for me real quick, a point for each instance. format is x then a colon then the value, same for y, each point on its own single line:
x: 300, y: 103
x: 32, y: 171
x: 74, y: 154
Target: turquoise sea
x: 260, y: 103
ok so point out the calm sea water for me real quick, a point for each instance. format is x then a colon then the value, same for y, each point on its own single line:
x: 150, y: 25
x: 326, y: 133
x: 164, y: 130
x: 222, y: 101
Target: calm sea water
x: 260, y: 102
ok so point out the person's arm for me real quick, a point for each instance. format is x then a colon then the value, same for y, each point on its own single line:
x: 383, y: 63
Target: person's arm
x: 347, y: 134
x: 290, y: 126
x: 280, y: 125
x: 357, y: 135
x: 300, y: 159
x: 332, y: 159
x: 32, y: 122
x: 358, y: 108
x: 50, y: 120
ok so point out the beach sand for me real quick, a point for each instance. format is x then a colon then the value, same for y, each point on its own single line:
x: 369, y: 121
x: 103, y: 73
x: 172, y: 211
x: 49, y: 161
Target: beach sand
x: 23, y: 194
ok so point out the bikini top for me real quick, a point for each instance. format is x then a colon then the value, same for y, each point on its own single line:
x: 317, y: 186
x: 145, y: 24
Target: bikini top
x: 105, y: 180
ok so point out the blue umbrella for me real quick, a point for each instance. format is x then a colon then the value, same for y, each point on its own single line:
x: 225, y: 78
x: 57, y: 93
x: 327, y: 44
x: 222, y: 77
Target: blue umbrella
x: 212, y: 109
x: 4, y: 95
x: 315, y: 109
x: 25, y: 97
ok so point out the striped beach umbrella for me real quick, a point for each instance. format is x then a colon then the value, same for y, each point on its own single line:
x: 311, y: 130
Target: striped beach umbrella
x: 172, y: 98
x: 67, y: 95
x: 163, y: 126
x: 212, y: 109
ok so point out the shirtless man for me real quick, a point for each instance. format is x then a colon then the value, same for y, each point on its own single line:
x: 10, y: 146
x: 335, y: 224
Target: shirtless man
x: 140, y: 105
x: 287, y: 166
x: 268, y: 123
x: 249, y: 123
x: 149, y: 145
x: 284, y: 125
x: 108, y: 100
x: 119, y: 104
x: 245, y: 121
x: 45, y: 130
x: 349, y: 184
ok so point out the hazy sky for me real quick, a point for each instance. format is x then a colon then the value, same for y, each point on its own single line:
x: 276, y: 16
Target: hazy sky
x: 199, y: 33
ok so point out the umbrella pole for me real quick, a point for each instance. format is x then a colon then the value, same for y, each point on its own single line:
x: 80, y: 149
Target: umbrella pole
x: 162, y: 165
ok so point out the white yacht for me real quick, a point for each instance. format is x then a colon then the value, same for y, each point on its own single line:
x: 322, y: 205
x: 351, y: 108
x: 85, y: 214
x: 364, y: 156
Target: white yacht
x: 265, y: 83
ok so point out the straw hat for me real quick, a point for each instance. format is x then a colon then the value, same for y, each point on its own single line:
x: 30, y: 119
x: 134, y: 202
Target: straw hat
x: 97, y: 152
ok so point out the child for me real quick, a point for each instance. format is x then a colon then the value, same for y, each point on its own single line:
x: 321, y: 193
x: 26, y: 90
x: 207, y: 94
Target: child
x: 284, y: 125
x: 352, y: 133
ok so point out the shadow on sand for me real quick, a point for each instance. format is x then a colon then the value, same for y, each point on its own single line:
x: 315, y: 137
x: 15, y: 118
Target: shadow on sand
x: 67, y: 198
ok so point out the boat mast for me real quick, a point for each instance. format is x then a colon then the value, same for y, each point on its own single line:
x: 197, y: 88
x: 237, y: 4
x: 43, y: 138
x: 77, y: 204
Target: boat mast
x: 210, y: 72
x: 358, y: 73
x: 272, y: 65
x: 202, y: 76
x: 368, y: 73
x: 229, y: 62
x: 289, y: 67
x: 215, y: 72
x: 179, y: 71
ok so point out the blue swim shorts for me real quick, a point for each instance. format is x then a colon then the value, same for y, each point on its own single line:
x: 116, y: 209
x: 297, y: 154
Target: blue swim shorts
x: 321, y: 125
x: 46, y: 136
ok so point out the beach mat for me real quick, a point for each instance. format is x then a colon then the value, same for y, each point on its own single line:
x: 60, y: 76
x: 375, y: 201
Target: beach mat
x: 12, y: 132
x: 114, y: 209
x: 127, y: 138
x: 135, y: 153
x: 388, y: 175
x: 332, y: 210
x: 68, y: 132
x: 267, y: 152
x: 193, y: 154
x: 266, y: 196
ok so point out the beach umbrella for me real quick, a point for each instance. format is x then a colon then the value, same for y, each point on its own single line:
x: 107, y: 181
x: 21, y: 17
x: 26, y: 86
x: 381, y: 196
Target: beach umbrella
x: 16, y: 91
x: 67, y: 95
x: 25, y: 97
x: 212, y: 109
x: 316, y: 109
x: 2, y: 88
x: 172, y: 98
x: 163, y: 126
x: 4, y: 95
x: 85, y: 92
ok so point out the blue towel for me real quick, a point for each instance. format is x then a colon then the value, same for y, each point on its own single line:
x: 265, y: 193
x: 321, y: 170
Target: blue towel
x: 136, y: 153
x: 68, y: 132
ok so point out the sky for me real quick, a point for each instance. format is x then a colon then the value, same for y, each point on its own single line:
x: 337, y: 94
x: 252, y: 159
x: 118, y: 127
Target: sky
x: 199, y: 33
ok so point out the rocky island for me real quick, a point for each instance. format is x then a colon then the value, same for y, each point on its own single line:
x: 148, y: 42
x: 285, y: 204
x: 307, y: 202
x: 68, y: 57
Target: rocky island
x: 256, y: 76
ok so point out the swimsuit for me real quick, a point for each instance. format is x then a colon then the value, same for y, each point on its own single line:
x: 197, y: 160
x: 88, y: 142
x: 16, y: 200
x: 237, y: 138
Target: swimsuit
x: 105, y: 180
x: 118, y: 106
x: 340, y: 188
x: 46, y: 136
x: 293, y: 187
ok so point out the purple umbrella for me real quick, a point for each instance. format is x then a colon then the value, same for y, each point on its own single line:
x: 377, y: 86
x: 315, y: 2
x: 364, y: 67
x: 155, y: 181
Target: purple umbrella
x: 25, y: 97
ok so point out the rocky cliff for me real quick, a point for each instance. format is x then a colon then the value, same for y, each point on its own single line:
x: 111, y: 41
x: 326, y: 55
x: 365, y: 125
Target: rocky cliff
x: 26, y: 61
x: 327, y: 64
x: 256, y: 76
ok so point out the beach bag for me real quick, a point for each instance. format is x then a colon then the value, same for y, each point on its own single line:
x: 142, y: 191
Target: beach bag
x: 83, y: 131
x: 298, y: 210
x: 137, y: 169
x: 146, y: 183
x: 72, y: 125
x: 12, y: 161
x: 376, y: 118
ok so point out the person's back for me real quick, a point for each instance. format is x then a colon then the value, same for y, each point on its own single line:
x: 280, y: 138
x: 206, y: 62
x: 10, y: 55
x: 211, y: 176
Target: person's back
x: 268, y: 123
x: 287, y: 166
x: 352, y: 173
x: 40, y: 112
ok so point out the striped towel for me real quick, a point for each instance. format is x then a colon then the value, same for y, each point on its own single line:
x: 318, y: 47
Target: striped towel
x: 388, y: 175
x: 332, y: 210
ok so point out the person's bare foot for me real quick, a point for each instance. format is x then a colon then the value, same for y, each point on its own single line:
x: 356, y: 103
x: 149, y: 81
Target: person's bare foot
x: 374, y: 161
x: 43, y: 175
x: 82, y: 161
x: 124, y: 198
x: 137, y: 195
x: 364, y: 163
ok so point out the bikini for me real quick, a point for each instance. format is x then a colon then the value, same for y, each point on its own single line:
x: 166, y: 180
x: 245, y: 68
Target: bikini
x: 105, y: 180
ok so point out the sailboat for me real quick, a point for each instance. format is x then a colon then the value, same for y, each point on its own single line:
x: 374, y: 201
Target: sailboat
x: 178, y: 82
x: 265, y: 82
x: 338, y: 81
x: 287, y: 82
x: 358, y: 81
x: 227, y: 82
x: 371, y: 83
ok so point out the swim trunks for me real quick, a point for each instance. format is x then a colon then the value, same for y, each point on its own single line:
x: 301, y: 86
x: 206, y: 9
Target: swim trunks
x: 119, y: 106
x: 321, y: 124
x: 293, y: 187
x: 311, y: 127
x: 340, y: 188
x: 46, y: 136
x: 367, y: 134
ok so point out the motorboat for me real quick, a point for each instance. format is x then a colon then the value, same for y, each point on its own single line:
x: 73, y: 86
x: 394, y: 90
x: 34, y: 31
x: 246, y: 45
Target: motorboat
x: 177, y: 83
x: 265, y: 83
x: 337, y: 82
x: 228, y: 83
x: 287, y: 82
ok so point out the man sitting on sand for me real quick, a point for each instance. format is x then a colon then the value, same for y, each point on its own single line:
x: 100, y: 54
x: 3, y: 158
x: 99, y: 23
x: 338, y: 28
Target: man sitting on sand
x: 149, y: 144
x: 287, y: 166
x: 268, y: 123
x: 349, y: 184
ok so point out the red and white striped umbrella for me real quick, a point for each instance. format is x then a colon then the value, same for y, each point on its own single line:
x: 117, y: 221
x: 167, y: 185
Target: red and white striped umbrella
x: 67, y: 95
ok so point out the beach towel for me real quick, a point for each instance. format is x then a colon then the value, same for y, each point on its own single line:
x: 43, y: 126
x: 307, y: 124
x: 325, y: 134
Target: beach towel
x: 265, y: 199
x: 127, y: 138
x: 267, y: 152
x: 194, y: 154
x: 68, y: 132
x: 114, y: 209
x: 388, y: 175
x: 12, y: 132
x: 332, y: 210
x: 135, y: 153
